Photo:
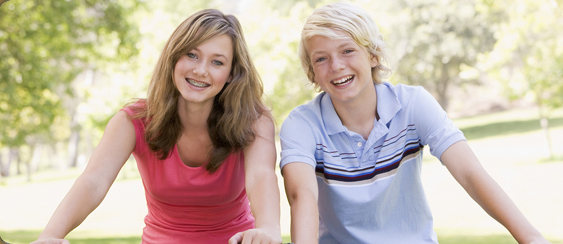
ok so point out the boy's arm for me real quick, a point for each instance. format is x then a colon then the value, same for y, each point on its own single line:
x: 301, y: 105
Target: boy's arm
x: 464, y: 166
x: 302, y: 193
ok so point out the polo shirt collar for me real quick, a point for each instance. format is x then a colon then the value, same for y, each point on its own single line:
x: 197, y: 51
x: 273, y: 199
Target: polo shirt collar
x: 332, y: 122
x: 387, y: 106
x: 387, y: 102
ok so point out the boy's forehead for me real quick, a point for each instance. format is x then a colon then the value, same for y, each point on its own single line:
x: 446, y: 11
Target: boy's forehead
x: 321, y: 41
x: 331, y: 33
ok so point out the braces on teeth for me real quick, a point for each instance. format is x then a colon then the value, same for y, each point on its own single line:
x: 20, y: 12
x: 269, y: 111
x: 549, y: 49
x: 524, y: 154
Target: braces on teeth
x: 198, y: 84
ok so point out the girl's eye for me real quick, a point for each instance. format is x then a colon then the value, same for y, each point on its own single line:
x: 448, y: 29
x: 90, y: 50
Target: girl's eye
x: 216, y: 62
x: 191, y: 55
x: 349, y: 50
x: 319, y: 60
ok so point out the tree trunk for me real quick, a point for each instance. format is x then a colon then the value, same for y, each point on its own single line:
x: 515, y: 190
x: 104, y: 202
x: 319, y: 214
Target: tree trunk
x: 6, y: 166
x: 1, y: 166
x: 74, y: 138
x: 544, y: 123
x: 545, y: 126
x: 442, y: 87
x: 36, y: 158
x: 28, y: 163
x: 33, y: 163
x: 53, y: 157
x: 73, y: 148
x: 15, y: 154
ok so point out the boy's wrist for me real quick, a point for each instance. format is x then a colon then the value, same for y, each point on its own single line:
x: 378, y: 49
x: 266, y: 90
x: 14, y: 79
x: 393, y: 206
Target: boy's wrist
x: 539, y: 240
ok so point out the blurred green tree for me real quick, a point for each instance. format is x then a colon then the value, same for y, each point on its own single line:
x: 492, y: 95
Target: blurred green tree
x: 438, y: 39
x: 274, y: 32
x: 528, y: 58
x: 43, y: 46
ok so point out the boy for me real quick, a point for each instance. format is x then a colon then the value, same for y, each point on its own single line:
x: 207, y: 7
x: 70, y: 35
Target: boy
x: 351, y: 158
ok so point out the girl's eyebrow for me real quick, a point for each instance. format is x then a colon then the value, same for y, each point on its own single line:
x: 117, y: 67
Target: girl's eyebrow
x: 215, y: 54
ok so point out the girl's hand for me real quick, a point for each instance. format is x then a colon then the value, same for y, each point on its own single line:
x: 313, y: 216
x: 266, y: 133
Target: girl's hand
x: 51, y: 241
x: 255, y: 236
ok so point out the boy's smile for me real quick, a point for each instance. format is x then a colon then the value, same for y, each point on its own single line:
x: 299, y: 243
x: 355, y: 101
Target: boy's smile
x: 343, y: 81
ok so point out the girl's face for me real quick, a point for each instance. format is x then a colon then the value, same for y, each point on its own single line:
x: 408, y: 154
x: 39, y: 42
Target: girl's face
x: 200, y: 74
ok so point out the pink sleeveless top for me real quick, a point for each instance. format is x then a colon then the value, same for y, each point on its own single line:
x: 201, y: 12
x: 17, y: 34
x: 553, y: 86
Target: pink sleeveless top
x: 187, y: 204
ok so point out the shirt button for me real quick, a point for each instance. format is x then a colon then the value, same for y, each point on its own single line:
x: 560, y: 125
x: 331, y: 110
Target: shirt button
x: 359, y: 144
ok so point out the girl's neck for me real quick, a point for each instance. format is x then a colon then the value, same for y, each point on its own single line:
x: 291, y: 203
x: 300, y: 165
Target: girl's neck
x: 193, y: 116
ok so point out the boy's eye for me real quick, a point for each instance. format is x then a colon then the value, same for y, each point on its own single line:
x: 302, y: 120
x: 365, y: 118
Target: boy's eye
x: 216, y: 62
x: 319, y: 60
x: 191, y: 55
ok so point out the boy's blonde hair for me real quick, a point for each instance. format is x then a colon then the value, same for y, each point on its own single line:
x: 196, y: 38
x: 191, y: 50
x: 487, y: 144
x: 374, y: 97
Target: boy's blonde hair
x: 356, y: 23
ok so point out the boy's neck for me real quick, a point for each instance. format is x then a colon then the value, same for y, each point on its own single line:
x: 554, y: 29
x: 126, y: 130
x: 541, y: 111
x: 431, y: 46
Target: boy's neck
x: 359, y: 115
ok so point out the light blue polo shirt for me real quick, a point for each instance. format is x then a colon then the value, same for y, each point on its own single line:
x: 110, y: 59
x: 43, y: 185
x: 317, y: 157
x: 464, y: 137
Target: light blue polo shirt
x: 370, y: 191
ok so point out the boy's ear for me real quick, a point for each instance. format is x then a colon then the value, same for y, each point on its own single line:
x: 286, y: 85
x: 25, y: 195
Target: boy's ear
x: 373, y: 62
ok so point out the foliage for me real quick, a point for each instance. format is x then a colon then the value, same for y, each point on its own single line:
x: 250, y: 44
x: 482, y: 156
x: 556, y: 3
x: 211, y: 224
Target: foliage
x: 437, y: 40
x: 273, y: 33
x: 44, y: 46
x: 528, y: 58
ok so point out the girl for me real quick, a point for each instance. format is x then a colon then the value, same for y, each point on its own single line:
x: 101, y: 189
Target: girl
x: 203, y: 141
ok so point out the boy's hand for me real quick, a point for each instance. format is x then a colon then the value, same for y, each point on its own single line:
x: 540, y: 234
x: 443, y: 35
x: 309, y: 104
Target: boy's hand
x: 255, y: 236
x: 540, y: 241
x: 51, y: 241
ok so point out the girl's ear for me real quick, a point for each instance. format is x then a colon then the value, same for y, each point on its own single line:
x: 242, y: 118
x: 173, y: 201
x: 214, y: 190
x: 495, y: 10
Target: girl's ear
x: 230, y: 79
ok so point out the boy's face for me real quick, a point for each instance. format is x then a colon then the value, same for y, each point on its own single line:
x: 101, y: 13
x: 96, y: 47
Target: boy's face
x: 341, y: 67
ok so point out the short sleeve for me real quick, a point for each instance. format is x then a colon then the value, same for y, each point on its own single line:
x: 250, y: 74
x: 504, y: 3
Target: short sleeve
x: 433, y: 125
x: 140, y: 143
x: 297, y: 141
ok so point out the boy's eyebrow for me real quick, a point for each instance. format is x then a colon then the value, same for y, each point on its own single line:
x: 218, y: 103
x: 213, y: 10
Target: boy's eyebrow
x: 316, y: 52
x: 322, y: 51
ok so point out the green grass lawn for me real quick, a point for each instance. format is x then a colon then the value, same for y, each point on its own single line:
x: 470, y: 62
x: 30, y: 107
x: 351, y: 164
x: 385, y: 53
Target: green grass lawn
x: 18, y: 237
x: 505, y: 123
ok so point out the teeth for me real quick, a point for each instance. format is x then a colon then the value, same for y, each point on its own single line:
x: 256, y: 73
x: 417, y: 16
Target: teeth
x: 197, y: 83
x: 343, y: 80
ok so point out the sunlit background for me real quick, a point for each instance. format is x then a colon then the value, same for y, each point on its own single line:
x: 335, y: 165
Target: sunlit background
x: 67, y: 66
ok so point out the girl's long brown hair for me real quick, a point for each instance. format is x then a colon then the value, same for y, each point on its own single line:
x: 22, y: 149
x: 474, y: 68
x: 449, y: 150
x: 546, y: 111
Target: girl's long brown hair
x: 235, y: 109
